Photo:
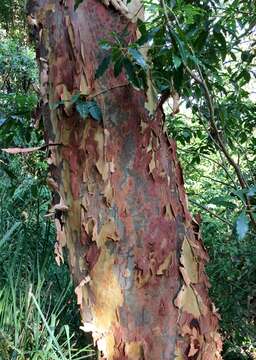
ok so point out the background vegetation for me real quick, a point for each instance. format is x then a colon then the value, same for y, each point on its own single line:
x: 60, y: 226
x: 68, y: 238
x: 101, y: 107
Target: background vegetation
x: 202, y: 56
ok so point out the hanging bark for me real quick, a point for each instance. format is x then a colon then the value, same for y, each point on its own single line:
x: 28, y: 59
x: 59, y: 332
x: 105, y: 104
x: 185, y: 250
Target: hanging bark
x: 119, y: 201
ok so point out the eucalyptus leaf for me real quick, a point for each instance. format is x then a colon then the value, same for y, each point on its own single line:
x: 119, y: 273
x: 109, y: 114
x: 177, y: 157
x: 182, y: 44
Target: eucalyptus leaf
x: 94, y: 110
x: 82, y: 109
x: 138, y: 57
x: 118, y: 67
x: 176, y: 61
x: 131, y: 73
x: 103, y: 67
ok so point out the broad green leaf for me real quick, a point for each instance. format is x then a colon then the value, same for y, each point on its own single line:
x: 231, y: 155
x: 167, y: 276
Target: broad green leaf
x: 176, y: 61
x: 220, y: 38
x: 130, y: 72
x: 242, y: 225
x: 138, y: 57
x: 180, y: 45
x: 103, y: 67
x: 118, y: 67
x: 94, y: 110
x: 105, y: 45
x: 147, y: 36
x: 116, y: 54
x: 141, y: 26
x: 2, y: 120
x: 82, y: 109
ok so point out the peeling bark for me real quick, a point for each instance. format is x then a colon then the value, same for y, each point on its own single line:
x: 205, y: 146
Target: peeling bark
x: 120, y: 207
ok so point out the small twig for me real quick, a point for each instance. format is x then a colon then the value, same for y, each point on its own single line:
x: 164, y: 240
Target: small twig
x: 106, y: 90
x: 211, y: 213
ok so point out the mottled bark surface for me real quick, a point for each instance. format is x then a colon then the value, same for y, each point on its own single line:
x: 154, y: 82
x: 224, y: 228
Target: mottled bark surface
x: 137, y: 260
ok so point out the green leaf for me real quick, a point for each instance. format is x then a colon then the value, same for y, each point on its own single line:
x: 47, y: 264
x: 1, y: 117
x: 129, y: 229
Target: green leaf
x: 118, y: 67
x: 103, y: 67
x: 242, y: 225
x: 105, y: 45
x: 77, y: 3
x: 176, y: 61
x: 94, y: 110
x: 247, y: 56
x: 180, y: 45
x: 130, y: 72
x: 116, y: 54
x: 141, y: 26
x: 82, y: 109
x: 138, y: 57
x: 220, y: 38
x: 9, y: 233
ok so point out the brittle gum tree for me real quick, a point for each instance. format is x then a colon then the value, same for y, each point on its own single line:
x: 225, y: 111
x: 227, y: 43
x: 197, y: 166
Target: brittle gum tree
x: 120, y: 207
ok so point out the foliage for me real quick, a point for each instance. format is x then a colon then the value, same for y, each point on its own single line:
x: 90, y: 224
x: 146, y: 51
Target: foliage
x: 12, y: 18
x: 18, y: 78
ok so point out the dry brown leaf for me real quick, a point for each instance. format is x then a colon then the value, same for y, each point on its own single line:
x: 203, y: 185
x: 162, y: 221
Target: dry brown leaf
x: 23, y: 150
x: 18, y: 150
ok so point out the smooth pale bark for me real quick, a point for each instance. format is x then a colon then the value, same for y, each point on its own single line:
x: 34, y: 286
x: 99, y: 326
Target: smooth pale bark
x: 120, y: 207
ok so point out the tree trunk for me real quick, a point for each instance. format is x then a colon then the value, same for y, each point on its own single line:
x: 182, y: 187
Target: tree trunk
x: 120, y: 207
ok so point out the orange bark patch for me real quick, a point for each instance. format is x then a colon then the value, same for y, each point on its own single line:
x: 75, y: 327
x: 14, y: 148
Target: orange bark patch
x: 134, y: 350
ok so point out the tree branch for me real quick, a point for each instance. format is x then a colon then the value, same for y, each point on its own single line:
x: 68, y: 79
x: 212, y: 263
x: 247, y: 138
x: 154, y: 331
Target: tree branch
x: 201, y: 81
